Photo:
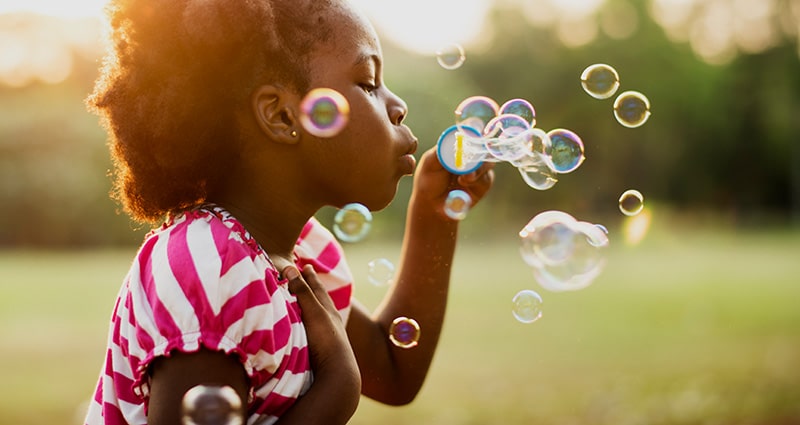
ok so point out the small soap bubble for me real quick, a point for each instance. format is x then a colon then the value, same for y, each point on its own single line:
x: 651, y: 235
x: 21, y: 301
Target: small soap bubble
x: 211, y: 405
x: 324, y: 112
x: 451, y: 56
x: 631, y: 202
x: 380, y: 272
x: 600, y: 81
x: 352, y: 223
x: 526, y: 306
x: 521, y: 108
x: 457, y: 204
x: 631, y: 109
x: 404, y: 332
x: 475, y: 112
x: 566, y: 152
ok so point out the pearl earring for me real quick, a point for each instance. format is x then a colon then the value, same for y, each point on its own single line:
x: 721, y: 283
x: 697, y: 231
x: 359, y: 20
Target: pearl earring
x: 294, y: 133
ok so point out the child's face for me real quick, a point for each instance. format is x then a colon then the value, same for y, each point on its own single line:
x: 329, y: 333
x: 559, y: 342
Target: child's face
x: 366, y: 160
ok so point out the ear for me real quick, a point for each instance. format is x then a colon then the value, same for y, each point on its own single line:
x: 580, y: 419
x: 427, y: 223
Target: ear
x: 274, y: 115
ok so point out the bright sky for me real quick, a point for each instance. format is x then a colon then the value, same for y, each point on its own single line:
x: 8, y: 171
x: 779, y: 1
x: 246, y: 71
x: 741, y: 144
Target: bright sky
x: 442, y: 22
x: 61, y: 8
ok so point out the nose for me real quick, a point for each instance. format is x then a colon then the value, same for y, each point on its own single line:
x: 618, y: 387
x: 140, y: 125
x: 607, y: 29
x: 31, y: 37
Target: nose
x: 397, y: 109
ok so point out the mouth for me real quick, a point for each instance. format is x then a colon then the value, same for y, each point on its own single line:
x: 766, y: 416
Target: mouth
x: 413, y: 147
x: 408, y: 160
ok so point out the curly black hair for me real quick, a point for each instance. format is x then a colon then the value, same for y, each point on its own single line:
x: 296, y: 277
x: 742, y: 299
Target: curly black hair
x: 174, y: 77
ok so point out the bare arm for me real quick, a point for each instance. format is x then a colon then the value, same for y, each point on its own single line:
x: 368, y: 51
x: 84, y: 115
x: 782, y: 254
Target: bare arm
x: 333, y: 397
x: 395, y: 375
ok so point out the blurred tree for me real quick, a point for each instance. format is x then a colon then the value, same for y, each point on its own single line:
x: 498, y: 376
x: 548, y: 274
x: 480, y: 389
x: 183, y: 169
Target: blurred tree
x: 723, y: 135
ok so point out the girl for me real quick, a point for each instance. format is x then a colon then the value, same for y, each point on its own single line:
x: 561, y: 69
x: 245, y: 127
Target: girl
x: 241, y: 286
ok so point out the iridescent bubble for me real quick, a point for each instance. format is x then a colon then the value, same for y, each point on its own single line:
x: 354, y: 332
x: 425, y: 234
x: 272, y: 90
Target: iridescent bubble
x: 539, y: 177
x: 631, y: 202
x: 475, y: 112
x: 564, y: 254
x: 631, y: 109
x: 506, y: 138
x: 457, y: 204
x: 526, y: 306
x: 529, y: 239
x: 520, y: 107
x: 600, y: 81
x: 451, y: 56
x: 404, y: 332
x: 566, y: 150
x: 324, y: 112
x: 380, y: 272
x: 352, y: 223
x: 211, y: 405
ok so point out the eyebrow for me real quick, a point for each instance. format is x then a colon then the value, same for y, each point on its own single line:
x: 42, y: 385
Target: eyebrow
x: 365, y: 58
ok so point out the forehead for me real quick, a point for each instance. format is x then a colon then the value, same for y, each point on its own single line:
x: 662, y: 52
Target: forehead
x: 350, y: 36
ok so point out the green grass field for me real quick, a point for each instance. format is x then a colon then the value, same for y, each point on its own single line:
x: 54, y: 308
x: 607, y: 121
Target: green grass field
x: 686, y: 328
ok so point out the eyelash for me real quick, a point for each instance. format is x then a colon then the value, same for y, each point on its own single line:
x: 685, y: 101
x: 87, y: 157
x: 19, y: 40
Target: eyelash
x: 369, y: 88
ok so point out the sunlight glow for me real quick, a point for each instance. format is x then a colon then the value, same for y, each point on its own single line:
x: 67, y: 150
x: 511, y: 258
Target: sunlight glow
x: 56, y: 8
x: 423, y: 26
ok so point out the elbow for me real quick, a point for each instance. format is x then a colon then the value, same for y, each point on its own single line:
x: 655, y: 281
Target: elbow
x: 400, y: 395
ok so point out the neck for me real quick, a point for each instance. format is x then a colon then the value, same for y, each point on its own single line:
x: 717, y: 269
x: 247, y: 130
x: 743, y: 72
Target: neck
x: 275, y: 227
x: 273, y: 222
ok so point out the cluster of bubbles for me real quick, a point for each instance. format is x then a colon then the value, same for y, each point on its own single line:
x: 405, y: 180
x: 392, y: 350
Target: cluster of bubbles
x: 487, y: 132
x: 211, y: 405
x: 601, y: 81
x: 565, y: 254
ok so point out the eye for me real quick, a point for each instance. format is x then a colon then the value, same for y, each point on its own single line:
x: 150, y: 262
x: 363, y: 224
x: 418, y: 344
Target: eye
x: 368, y: 87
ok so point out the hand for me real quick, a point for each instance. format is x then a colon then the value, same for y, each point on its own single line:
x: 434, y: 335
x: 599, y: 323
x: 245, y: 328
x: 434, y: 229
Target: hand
x: 432, y: 182
x: 329, y: 348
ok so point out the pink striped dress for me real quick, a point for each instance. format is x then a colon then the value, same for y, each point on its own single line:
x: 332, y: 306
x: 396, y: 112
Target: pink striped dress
x: 202, y: 280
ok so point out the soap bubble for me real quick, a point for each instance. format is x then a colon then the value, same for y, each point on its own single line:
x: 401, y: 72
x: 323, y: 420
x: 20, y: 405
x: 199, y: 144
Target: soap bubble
x: 475, y: 112
x: 539, y: 177
x: 352, y: 223
x: 506, y: 138
x: 324, y: 112
x: 211, y: 405
x: 451, y: 56
x: 600, y: 81
x: 527, y: 306
x: 631, y: 109
x: 631, y: 202
x: 404, y: 332
x: 380, y: 272
x: 521, y: 108
x: 457, y: 204
x: 565, y: 254
x: 566, y: 150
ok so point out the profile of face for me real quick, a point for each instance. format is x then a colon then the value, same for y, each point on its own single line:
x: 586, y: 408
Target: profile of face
x: 365, y: 161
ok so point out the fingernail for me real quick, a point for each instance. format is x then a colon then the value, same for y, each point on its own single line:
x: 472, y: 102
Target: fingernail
x: 291, y: 273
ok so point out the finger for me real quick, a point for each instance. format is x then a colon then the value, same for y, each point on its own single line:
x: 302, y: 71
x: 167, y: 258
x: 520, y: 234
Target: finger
x: 322, y: 295
x: 297, y: 285
x: 484, y: 172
